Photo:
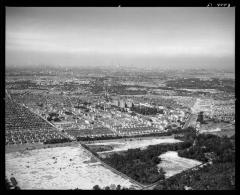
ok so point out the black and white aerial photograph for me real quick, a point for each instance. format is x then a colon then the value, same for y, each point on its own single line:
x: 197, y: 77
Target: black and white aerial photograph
x: 119, y: 98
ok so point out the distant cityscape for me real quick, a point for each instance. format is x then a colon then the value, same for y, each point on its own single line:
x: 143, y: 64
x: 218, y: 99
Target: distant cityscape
x: 48, y: 107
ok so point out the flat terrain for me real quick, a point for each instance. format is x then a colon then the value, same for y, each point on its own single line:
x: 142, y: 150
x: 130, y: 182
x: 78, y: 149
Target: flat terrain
x: 218, y: 128
x: 213, y: 125
x: 122, y: 145
x: 223, y: 132
x: 172, y: 164
x: 59, y: 168
x: 23, y: 147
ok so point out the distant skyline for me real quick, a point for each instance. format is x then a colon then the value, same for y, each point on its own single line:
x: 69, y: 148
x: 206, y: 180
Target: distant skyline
x: 154, y: 37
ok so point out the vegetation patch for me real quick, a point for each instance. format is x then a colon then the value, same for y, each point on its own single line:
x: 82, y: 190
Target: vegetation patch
x: 141, y: 165
x: 219, y: 174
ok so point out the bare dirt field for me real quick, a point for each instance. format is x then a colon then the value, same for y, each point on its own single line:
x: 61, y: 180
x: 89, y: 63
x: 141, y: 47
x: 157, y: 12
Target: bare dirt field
x: 23, y: 147
x: 67, y: 167
x: 172, y: 164
x: 122, y: 145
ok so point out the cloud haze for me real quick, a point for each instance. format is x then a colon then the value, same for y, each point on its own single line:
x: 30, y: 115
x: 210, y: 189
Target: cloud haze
x: 178, y: 37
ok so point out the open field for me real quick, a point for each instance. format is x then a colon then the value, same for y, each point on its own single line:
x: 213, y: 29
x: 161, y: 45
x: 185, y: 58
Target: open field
x: 223, y: 132
x: 29, y: 146
x: 214, y: 125
x: 220, y: 128
x: 59, y: 168
x: 122, y: 145
x: 172, y: 164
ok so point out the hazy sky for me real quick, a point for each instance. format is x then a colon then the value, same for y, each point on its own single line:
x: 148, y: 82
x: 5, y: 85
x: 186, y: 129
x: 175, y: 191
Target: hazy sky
x: 84, y: 36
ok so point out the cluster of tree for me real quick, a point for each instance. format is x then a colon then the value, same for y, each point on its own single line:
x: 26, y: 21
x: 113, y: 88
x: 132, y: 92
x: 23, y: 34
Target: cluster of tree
x: 80, y: 107
x: 97, y: 88
x: 69, y: 87
x: 40, y: 104
x: 11, y: 185
x: 68, y: 113
x: 146, y: 110
x: 226, y: 85
x: 167, y: 133
x: 88, y: 138
x: 141, y: 165
x: 7, y: 184
x: 142, y: 171
x: 123, y: 90
x: 194, y: 153
x: 112, y: 187
x: 56, y: 141
x: 216, y: 176
x: 53, y: 117
x: 100, y: 107
x: 220, y: 176
x: 223, y: 148
x: 100, y: 148
x: 25, y: 84
x: 188, y: 134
